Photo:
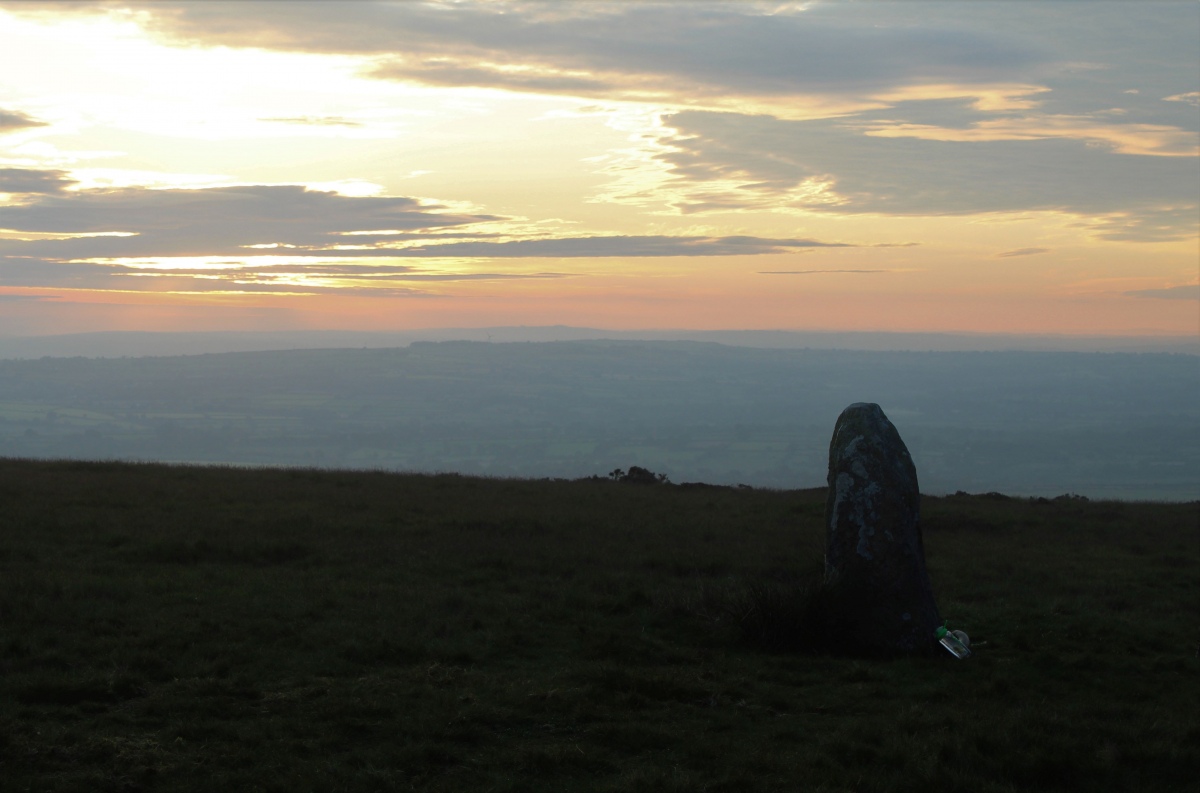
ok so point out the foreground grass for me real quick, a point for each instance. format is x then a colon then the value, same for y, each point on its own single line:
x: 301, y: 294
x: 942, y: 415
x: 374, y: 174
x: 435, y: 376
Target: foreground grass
x: 182, y: 628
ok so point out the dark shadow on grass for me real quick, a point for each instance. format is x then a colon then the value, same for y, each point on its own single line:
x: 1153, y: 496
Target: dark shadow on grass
x: 258, y: 554
x: 802, y: 615
x: 68, y: 692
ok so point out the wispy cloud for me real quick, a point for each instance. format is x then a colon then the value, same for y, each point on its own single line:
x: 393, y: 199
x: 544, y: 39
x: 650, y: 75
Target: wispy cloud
x: 720, y: 162
x: 729, y: 55
x: 243, y: 220
x: 13, y: 120
x: 822, y: 272
x: 218, y: 220
x: 317, y: 121
x: 613, y: 246
x: 1022, y: 252
x: 1185, y: 292
x: 1123, y: 138
x: 33, y: 181
x: 238, y: 277
x: 1152, y: 224
x: 288, y: 239
x: 1191, y: 98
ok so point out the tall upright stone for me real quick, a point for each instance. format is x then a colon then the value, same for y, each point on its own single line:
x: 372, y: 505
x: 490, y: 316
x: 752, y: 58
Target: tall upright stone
x: 874, y: 555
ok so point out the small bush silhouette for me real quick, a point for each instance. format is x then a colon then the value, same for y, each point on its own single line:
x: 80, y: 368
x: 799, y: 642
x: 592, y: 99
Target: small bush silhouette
x: 638, y: 476
x: 642, y: 476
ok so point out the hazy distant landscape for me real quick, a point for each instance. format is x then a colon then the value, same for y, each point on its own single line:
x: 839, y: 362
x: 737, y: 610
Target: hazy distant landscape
x: 1115, y: 425
x: 123, y: 344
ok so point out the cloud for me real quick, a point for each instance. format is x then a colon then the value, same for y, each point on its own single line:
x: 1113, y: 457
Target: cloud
x: 218, y: 220
x: 563, y: 247
x: 615, y: 246
x: 830, y: 56
x: 244, y: 220
x: 441, y: 72
x: 286, y: 239
x: 240, y: 277
x: 1157, y: 225
x: 1022, y: 252
x: 818, y: 272
x: 1191, y: 97
x: 7, y: 298
x: 1185, y: 292
x: 726, y: 161
x: 29, y: 181
x: 793, y: 60
x: 317, y: 121
x: 97, y: 247
x: 13, y: 120
x: 878, y: 108
x: 1125, y: 138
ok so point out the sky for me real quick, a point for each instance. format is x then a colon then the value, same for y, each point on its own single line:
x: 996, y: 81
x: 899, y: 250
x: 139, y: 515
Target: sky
x: 984, y: 167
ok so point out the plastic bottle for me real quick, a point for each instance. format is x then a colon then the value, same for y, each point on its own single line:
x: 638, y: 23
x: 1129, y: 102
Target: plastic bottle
x: 956, y: 642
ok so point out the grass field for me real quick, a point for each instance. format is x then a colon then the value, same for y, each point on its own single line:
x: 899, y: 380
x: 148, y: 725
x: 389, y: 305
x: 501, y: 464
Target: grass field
x: 187, y: 628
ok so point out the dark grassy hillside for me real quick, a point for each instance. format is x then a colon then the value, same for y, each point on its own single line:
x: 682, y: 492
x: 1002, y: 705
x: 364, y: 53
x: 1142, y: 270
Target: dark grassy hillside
x: 181, y: 628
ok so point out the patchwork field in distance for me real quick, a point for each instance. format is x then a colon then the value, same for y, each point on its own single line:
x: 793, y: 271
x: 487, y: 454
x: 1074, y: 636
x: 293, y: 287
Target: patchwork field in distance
x: 189, y: 628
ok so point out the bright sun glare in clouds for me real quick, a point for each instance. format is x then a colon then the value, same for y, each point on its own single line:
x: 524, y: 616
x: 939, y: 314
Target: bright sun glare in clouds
x: 700, y: 173
x: 107, y: 71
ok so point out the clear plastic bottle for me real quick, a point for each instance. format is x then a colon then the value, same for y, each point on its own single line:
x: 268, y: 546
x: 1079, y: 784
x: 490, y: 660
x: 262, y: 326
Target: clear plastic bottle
x: 956, y: 642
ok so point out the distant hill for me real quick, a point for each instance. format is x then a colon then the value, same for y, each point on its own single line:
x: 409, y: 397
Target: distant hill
x: 132, y: 344
x: 1115, y: 425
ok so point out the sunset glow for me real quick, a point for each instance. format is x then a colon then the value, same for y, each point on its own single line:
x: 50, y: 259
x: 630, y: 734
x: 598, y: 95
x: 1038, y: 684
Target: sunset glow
x: 977, y: 167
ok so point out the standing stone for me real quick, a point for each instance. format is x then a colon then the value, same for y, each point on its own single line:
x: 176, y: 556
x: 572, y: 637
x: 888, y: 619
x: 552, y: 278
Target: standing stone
x: 874, y: 556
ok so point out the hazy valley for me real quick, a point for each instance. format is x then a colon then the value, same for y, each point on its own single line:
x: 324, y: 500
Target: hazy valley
x: 1119, y: 425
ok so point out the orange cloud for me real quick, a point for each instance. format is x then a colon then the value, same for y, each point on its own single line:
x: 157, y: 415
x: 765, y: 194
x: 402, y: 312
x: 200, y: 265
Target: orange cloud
x: 1146, y: 139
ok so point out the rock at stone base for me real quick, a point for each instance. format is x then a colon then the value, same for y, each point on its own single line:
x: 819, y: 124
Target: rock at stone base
x: 874, y: 555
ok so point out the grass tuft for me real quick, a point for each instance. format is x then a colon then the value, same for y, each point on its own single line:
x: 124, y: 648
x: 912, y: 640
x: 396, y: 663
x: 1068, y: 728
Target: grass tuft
x: 789, y: 616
